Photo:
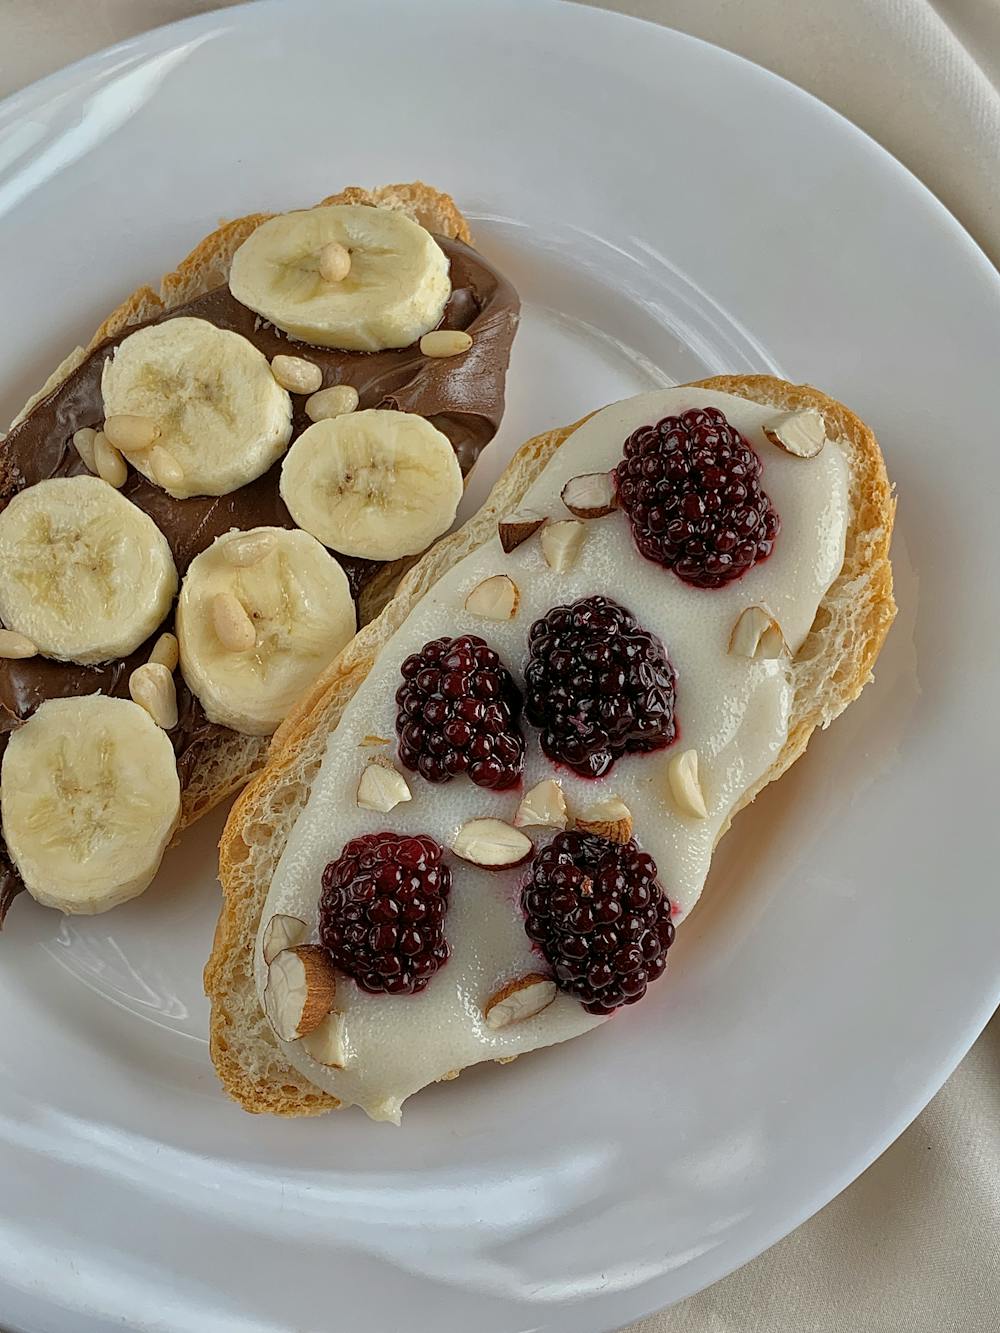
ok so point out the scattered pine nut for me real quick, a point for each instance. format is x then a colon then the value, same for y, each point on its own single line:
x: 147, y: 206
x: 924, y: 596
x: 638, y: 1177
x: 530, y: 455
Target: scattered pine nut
x: 165, y: 468
x: 111, y: 467
x: 83, y: 443
x: 336, y: 401
x: 445, y: 342
x: 232, y: 625
x: 152, y: 687
x: 166, y: 652
x: 129, y: 433
x: 249, y: 549
x: 296, y: 374
x: 14, y: 646
x: 334, y: 262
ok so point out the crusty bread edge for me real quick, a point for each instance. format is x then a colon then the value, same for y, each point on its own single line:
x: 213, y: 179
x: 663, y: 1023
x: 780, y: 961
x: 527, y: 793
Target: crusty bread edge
x: 866, y: 573
x: 233, y: 758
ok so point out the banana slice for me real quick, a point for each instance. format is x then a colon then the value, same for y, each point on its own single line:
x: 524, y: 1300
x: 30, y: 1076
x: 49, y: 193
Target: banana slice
x: 84, y: 573
x: 299, y: 604
x: 90, y: 797
x: 395, y: 290
x: 222, y: 417
x: 374, y: 484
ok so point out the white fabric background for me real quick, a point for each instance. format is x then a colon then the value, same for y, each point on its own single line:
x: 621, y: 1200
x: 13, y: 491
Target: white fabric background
x: 914, y: 1245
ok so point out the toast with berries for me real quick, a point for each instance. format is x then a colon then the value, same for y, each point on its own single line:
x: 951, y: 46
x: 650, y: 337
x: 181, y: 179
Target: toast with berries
x: 810, y: 672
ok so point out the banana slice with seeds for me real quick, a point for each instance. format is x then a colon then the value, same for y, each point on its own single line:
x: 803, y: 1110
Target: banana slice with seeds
x: 84, y: 573
x: 395, y: 289
x: 90, y: 797
x: 299, y: 603
x: 221, y: 416
x: 374, y: 484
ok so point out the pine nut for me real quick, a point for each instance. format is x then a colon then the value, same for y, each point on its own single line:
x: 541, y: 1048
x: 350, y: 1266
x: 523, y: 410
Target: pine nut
x: 296, y: 374
x: 14, y: 645
x: 334, y: 262
x: 111, y: 467
x: 336, y: 401
x: 165, y: 468
x: 129, y: 433
x: 249, y: 549
x: 445, y: 342
x: 233, y: 626
x: 83, y: 443
x: 166, y: 652
x: 152, y: 687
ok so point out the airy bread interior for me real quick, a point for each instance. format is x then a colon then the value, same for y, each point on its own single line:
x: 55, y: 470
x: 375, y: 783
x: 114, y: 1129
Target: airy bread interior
x: 829, y: 671
x: 231, y: 759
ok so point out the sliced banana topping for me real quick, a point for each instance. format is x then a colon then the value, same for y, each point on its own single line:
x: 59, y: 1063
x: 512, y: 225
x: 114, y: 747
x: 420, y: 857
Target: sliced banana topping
x: 296, y: 602
x: 204, y: 399
x: 374, y: 484
x: 90, y: 798
x: 394, y: 288
x: 84, y: 573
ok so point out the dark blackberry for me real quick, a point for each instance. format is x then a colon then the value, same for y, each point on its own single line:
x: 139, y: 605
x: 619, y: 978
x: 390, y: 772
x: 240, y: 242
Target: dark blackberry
x: 690, y: 486
x: 458, y: 711
x: 597, y: 685
x: 382, y: 912
x: 598, y: 914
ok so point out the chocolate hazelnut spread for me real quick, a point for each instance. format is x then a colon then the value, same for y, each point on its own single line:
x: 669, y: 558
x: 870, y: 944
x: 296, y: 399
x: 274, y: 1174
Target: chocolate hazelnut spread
x: 462, y: 396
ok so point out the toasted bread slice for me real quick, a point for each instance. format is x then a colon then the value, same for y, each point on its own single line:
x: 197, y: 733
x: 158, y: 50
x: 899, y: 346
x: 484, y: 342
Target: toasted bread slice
x: 229, y: 761
x: 828, y: 672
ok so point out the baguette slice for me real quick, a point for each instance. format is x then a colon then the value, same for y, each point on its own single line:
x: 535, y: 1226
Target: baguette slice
x: 226, y: 763
x: 831, y: 668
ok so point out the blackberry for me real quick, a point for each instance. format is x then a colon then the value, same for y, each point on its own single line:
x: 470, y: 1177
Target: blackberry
x: 382, y: 910
x: 690, y: 486
x: 597, y: 685
x: 458, y: 711
x: 596, y: 911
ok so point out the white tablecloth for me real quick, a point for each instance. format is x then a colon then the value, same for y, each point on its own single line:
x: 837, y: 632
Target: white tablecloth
x: 914, y: 1245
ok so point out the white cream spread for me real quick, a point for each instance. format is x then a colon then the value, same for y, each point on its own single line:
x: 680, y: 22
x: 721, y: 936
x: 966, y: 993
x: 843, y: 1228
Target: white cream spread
x: 732, y: 710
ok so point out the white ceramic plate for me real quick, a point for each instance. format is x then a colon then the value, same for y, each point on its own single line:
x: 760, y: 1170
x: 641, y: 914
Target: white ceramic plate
x: 666, y: 211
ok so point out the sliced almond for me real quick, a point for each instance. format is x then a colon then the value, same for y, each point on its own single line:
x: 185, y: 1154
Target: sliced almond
x: 610, y: 818
x: 517, y: 528
x: 591, y: 495
x: 382, y: 787
x: 519, y: 1000
x: 543, y: 807
x: 300, y: 991
x: 282, y: 932
x: 326, y: 1041
x: 757, y: 634
x: 800, y: 433
x: 368, y: 742
x: 496, y: 598
x: 561, y: 543
x: 492, y: 844
x: 682, y: 774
